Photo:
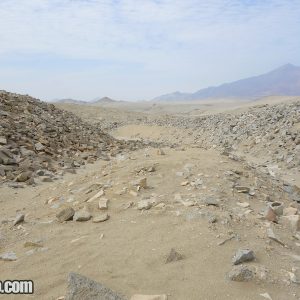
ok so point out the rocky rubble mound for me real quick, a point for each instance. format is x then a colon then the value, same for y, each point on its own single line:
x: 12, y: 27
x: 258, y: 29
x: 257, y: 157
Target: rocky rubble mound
x: 270, y: 131
x: 36, y: 138
x: 273, y: 131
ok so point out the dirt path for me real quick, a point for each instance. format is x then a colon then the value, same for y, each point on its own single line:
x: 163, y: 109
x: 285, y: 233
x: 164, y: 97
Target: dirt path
x: 127, y: 253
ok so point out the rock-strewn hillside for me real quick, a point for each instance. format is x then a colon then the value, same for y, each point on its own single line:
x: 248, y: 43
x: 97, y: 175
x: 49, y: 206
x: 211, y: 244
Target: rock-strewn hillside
x: 38, y: 138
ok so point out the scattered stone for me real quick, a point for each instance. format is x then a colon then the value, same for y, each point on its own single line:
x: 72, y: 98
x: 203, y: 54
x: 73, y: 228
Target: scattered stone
x: 19, y: 219
x: 226, y: 240
x: 184, y: 183
x: 100, y: 218
x: 98, y: 195
x: 39, y: 146
x: 266, y: 296
x: 270, y: 215
x: 93, y: 187
x: 46, y: 179
x: 15, y: 185
x: 243, y: 255
x: 174, y: 256
x: 149, y: 297
x: 241, y: 273
x: 66, y: 214
x: 24, y: 176
x: 293, y: 222
x: 32, y: 244
x: 295, y: 276
x: 9, y: 256
x: 290, y: 211
x: 242, y: 189
x: 188, y: 203
x: 127, y: 205
x: 160, y: 205
x: 82, y: 216
x: 271, y: 236
x: 212, y: 219
x: 103, y: 204
x: 277, y: 208
x: 140, y: 183
x: 144, y: 205
x: 81, y: 287
x: 3, y: 140
x: 210, y: 201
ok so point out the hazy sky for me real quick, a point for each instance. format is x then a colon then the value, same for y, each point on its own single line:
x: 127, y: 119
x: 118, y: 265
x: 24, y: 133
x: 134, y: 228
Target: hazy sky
x: 139, y: 49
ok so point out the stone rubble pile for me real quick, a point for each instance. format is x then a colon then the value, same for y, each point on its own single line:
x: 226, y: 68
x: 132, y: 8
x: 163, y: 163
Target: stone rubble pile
x: 37, y: 139
x: 272, y: 131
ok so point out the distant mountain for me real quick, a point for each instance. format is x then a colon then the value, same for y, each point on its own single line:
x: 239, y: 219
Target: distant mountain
x: 69, y: 100
x: 283, y: 81
x: 173, y: 96
x: 104, y: 100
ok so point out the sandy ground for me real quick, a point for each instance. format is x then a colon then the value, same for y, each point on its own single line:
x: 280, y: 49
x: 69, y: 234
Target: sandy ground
x: 128, y: 252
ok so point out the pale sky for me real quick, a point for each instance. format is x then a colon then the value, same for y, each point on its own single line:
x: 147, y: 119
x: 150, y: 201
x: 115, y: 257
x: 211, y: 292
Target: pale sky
x: 140, y: 49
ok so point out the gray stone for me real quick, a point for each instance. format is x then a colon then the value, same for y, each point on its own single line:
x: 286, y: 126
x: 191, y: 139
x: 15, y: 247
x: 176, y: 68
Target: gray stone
x: 3, y: 140
x: 174, y: 256
x: 210, y: 201
x: 103, y: 203
x: 144, y: 204
x: 39, y: 147
x: 81, y: 287
x: 242, y: 189
x: 6, y: 157
x: 277, y: 208
x: 142, y: 182
x: 46, y: 179
x: 9, y: 256
x: 241, y: 273
x: 66, y: 214
x: 271, y: 235
x: 82, y: 216
x: 100, y: 218
x: 243, y: 255
x: 24, y: 176
x: 19, y: 219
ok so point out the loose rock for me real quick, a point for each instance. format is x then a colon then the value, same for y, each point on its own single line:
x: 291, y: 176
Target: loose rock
x: 174, y: 256
x: 82, y: 216
x: 144, y: 205
x: 241, y: 273
x: 66, y: 214
x: 243, y: 255
x: 9, y: 256
x: 103, y: 204
x: 19, y: 219
x: 100, y: 218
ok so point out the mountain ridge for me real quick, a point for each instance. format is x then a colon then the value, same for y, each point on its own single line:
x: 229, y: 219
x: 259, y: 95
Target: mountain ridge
x: 283, y: 81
